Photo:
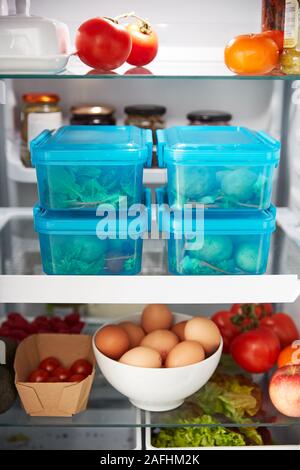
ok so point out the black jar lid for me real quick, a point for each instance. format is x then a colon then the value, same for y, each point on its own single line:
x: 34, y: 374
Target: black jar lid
x: 209, y: 116
x: 145, y: 110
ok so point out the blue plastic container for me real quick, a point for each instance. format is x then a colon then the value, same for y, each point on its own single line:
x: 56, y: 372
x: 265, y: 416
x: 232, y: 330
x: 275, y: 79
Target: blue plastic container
x: 80, y: 167
x: 222, y: 167
x: 228, y: 242
x: 70, y: 242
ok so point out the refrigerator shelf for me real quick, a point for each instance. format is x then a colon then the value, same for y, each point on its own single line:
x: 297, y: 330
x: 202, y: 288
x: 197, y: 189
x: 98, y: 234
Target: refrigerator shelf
x: 22, y: 281
x: 171, y: 62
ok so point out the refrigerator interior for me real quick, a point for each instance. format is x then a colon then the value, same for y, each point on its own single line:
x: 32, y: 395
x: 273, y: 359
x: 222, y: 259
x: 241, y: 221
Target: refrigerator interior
x: 268, y: 105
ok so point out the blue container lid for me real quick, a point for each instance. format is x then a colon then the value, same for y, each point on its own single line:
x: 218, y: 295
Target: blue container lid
x: 92, y: 144
x: 216, y: 144
x: 215, y: 220
x: 53, y: 222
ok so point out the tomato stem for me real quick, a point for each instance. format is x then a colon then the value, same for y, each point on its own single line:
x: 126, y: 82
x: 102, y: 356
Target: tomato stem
x: 144, y: 25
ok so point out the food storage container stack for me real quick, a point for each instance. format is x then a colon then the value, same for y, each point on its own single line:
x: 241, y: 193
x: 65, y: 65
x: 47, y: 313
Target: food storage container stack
x: 223, y: 176
x: 88, y: 179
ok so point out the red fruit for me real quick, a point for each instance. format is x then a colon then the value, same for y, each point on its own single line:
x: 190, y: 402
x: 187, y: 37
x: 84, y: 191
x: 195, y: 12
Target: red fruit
x: 228, y: 329
x: 283, y: 326
x: 76, y: 378
x: 144, y: 44
x: 76, y: 329
x: 18, y: 334
x: 102, y: 43
x: 256, y: 350
x: 260, y: 310
x: 5, y: 331
x: 72, y: 319
x: 82, y: 366
x: 18, y: 322
x: 284, y: 390
x: 62, y: 374
x: 52, y: 379
x: 49, y: 364
x: 38, y: 375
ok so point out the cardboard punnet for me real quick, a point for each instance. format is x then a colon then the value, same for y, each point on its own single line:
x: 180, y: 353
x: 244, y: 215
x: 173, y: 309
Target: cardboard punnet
x: 53, y: 399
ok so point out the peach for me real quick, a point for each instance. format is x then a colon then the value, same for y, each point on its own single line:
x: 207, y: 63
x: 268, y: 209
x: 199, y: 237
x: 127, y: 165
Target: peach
x: 284, y: 390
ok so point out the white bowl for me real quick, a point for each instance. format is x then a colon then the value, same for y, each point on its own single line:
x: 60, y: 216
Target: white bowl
x: 156, y: 389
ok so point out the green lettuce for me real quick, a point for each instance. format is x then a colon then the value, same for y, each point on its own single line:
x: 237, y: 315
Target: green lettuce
x: 198, y: 436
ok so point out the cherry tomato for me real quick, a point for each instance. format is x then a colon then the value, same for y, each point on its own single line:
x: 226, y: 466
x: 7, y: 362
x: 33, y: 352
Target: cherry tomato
x: 76, y: 378
x: 38, y: 375
x: 277, y: 36
x: 251, y: 54
x: 62, y: 374
x: 52, y: 379
x: 144, y: 44
x: 82, y: 366
x: 290, y: 355
x: 49, y: 364
x: 223, y: 320
x: 260, y: 310
x: 283, y: 326
x: 102, y: 43
x: 256, y: 351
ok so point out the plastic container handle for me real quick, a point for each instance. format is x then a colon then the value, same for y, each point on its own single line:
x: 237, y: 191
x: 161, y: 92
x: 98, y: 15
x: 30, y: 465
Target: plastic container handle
x: 40, y: 139
x: 149, y: 144
x: 161, y: 142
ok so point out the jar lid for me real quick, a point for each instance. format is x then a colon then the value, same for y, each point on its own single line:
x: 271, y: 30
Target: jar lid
x: 209, y: 116
x: 145, y: 110
x: 41, y: 98
x: 92, y: 110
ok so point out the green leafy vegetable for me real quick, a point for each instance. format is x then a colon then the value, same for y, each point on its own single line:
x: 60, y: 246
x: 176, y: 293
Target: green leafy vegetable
x: 199, y: 436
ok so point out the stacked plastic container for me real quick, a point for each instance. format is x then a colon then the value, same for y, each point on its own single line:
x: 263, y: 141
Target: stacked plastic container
x: 88, y: 179
x: 224, y: 175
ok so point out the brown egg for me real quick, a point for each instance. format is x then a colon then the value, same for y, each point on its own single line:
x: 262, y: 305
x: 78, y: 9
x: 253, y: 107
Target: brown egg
x: 113, y: 341
x: 156, y: 317
x: 205, y: 331
x: 141, y: 357
x: 160, y: 340
x: 135, y: 333
x: 178, y: 329
x: 185, y: 354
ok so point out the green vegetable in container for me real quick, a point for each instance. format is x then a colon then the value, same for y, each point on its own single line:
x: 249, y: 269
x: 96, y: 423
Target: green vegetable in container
x: 239, y: 184
x: 215, y: 248
x: 247, y: 257
x: 199, y: 436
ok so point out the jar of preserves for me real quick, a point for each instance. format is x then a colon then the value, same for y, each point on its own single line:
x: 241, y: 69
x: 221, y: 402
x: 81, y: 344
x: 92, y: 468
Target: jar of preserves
x: 147, y: 116
x: 290, y: 58
x: 273, y: 12
x: 93, y: 115
x: 40, y: 111
x: 209, y: 118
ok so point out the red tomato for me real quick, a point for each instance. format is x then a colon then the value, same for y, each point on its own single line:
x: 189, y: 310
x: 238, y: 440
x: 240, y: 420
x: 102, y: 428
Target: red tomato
x: 49, y: 364
x: 62, y: 374
x: 76, y: 378
x: 144, y: 44
x: 223, y: 320
x: 38, y: 375
x: 256, y: 351
x: 251, y: 54
x: 52, y: 379
x: 82, y: 367
x: 277, y: 36
x: 102, y: 43
x: 283, y: 326
x: 260, y: 310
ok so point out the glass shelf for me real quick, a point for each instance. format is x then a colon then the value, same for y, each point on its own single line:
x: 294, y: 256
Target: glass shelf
x: 171, y: 63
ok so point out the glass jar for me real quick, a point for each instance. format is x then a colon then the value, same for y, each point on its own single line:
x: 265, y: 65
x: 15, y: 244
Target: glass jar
x: 93, y: 115
x: 209, y: 118
x: 147, y: 116
x: 40, y: 111
x: 273, y: 12
x: 290, y: 58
